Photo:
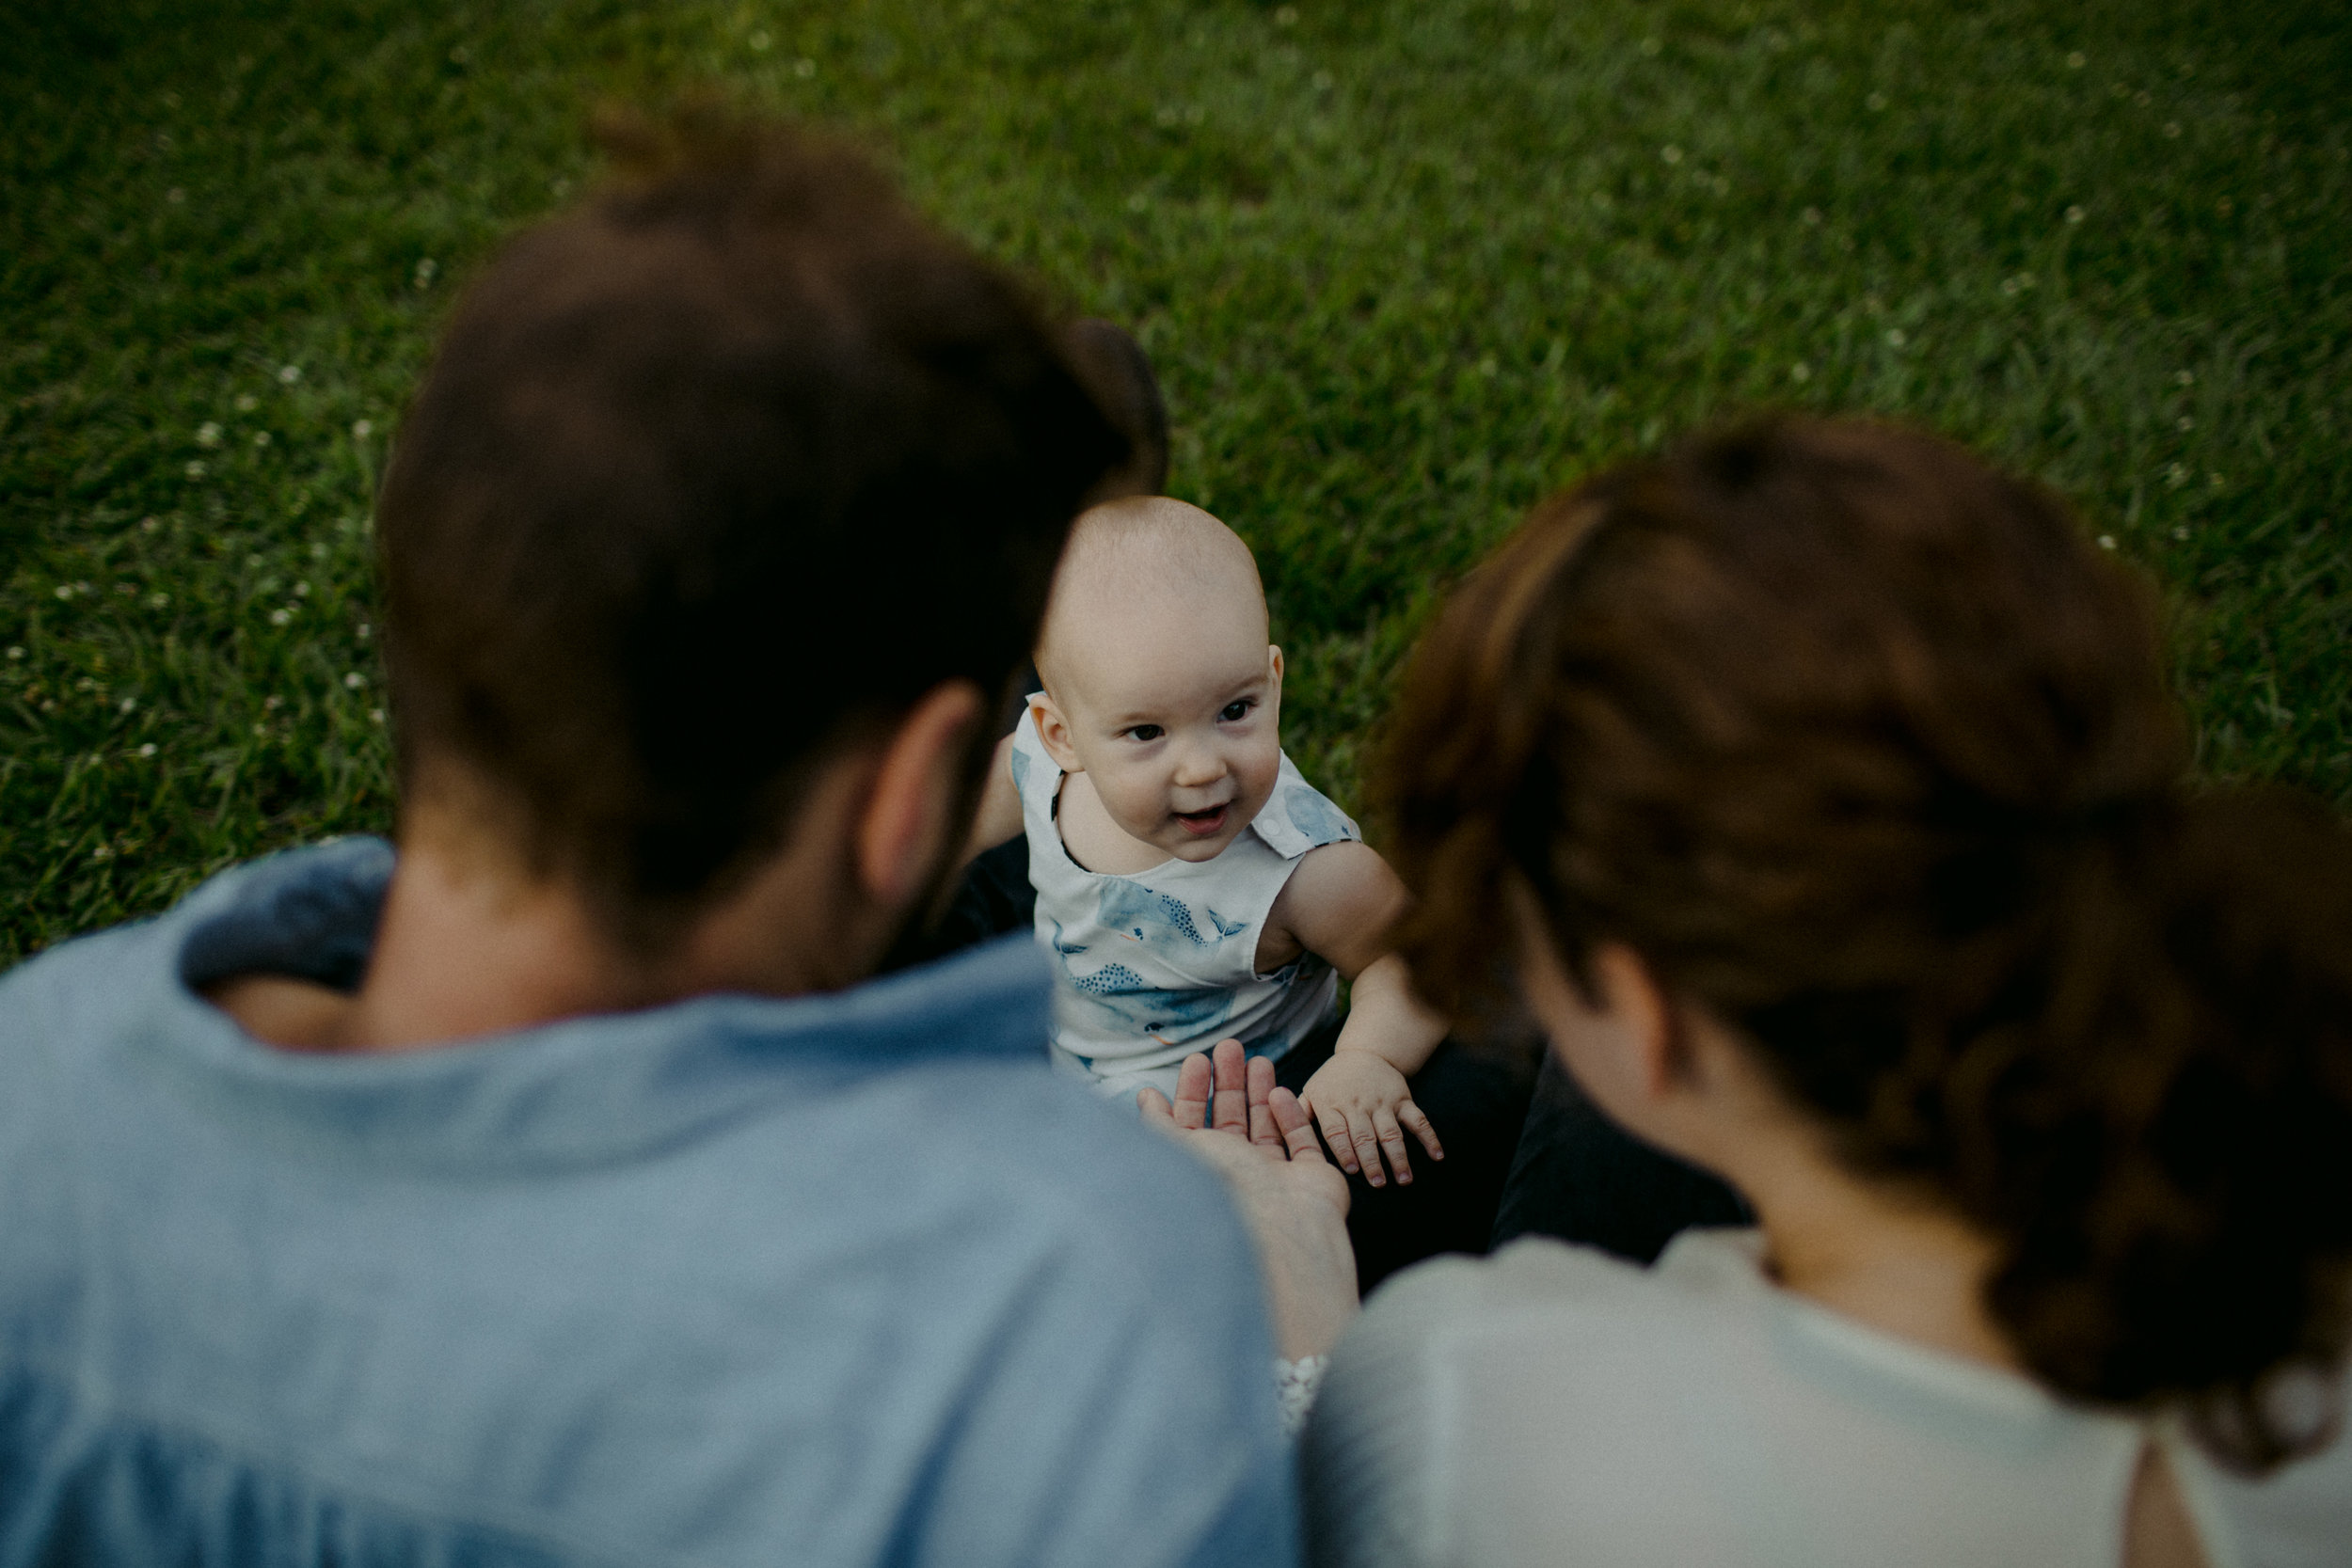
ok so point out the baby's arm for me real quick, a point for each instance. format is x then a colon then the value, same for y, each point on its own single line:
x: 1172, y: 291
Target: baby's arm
x: 1339, y: 905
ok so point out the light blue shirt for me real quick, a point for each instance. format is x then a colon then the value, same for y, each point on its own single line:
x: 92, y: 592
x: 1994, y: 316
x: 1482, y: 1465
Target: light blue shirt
x: 837, y: 1279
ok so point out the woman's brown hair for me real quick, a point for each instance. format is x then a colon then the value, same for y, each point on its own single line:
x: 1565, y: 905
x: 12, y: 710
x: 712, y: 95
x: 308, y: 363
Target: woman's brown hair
x: 1869, y: 754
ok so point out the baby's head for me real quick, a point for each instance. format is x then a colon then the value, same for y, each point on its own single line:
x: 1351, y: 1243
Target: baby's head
x: 1160, y: 685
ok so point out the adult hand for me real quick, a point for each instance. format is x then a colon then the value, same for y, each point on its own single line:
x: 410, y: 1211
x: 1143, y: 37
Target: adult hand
x: 1258, y: 1137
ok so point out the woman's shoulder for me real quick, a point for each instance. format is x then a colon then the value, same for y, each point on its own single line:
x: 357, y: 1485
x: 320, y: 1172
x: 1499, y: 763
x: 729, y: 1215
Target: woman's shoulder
x: 1522, y: 1305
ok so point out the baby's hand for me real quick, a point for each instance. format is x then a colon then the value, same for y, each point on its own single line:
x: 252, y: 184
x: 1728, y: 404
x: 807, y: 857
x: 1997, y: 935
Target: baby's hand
x: 1359, y: 1100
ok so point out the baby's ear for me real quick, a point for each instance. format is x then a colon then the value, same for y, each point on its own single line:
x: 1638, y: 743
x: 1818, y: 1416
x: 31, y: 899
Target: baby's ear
x: 1274, y: 664
x: 1054, y: 730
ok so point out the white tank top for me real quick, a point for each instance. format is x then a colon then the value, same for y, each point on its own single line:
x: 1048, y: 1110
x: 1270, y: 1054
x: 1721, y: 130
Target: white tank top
x: 1156, y: 966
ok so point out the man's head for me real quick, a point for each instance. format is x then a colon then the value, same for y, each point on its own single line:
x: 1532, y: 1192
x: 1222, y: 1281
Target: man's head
x: 1160, y: 685
x: 709, y: 481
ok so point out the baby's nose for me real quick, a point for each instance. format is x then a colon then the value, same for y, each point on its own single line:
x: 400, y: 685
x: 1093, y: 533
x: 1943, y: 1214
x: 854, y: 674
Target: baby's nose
x: 1197, y: 766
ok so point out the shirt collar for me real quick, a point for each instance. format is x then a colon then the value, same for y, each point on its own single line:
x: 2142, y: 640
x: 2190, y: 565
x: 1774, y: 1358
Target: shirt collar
x: 584, y: 1090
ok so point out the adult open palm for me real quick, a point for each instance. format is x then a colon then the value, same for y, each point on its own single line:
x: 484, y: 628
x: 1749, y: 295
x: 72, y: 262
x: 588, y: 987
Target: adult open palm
x: 1230, y: 1115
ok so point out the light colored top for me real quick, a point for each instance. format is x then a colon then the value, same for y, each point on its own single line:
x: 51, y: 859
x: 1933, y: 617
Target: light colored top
x: 1554, y: 1406
x: 838, y: 1280
x: 1158, y: 965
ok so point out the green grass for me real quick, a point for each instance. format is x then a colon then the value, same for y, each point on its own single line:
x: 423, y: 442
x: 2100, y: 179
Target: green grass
x: 1405, y: 267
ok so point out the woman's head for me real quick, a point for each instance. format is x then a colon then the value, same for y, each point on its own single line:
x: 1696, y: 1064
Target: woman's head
x: 1864, y: 752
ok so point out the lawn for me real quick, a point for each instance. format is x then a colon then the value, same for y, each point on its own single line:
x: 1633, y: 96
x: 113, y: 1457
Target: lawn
x: 1405, y: 267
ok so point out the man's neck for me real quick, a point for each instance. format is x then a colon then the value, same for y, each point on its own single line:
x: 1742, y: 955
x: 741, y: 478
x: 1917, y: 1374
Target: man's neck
x: 469, y: 945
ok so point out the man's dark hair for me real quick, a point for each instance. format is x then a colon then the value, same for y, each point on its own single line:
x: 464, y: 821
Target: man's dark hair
x: 724, y: 469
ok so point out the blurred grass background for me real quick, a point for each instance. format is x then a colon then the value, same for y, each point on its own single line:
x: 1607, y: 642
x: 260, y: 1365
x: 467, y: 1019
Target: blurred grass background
x: 1405, y: 267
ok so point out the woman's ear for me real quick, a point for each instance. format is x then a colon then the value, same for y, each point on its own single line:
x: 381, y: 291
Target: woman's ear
x: 1617, y: 1036
x: 1053, y: 728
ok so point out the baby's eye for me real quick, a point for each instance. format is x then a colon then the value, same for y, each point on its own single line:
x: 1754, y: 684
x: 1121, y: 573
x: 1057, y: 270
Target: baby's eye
x: 1146, y: 732
x: 1235, y: 710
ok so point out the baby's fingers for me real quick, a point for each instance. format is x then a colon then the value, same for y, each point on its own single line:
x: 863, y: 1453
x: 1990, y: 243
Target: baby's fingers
x: 1392, y: 1144
x: 1336, y: 1136
x: 1368, y: 1150
x: 1417, y: 1122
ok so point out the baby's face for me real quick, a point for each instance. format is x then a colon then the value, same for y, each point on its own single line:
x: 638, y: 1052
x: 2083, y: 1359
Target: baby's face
x: 1175, y: 717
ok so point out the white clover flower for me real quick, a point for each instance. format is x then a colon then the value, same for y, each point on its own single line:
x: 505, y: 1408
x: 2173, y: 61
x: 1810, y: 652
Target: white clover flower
x: 2176, y: 475
x: 247, y: 402
x: 261, y: 729
x: 1812, y: 216
x: 288, y: 374
x: 1137, y: 203
x: 65, y: 590
x: 2076, y: 60
x: 2185, y: 424
x: 103, y: 852
x: 1897, y: 337
x: 354, y: 681
x: 279, y: 617
x: 2074, y: 214
x: 423, y: 275
x: 147, y: 750
x: 1651, y: 46
x: 128, y: 705
x: 1672, y: 153
x: 260, y: 439
x: 16, y: 653
x: 159, y: 601
x: 760, y: 41
x: 2214, y: 480
x: 2107, y: 541
x: 208, y: 435
x: 2182, y: 534
x: 805, y: 67
x: 376, y: 716
x: 366, y: 631
x: 196, y: 471
x: 175, y: 196
x: 362, y: 429
x: 2186, y: 378
x: 149, y: 525
x: 272, y: 703
x: 302, y: 589
x: 1800, y: 372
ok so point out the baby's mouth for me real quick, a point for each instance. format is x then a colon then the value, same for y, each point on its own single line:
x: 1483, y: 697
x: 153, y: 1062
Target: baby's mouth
x: 1204, y: 824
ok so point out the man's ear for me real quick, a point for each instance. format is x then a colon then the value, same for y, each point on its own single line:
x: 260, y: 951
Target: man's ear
x: 908, y: 821
x: 1053, y: 728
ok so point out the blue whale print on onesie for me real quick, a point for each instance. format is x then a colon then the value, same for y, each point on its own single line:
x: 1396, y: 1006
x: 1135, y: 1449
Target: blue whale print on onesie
x: 1150, y: 1009
x: 1137, y: 912
x: 1314, y: 815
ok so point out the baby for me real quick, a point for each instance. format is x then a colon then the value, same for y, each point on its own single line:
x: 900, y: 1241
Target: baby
x: 1193, y: 885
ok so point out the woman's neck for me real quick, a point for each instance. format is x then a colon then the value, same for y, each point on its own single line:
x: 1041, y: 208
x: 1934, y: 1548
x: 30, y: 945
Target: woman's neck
x: 1871, y: 1252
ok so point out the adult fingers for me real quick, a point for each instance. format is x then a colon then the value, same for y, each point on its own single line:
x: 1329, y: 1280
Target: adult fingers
x: 1229, y: 1107
x: 1417, y: 1121
x: 1296, y: 1127
x: 1192, y: 1091
x: 1392, y: 1144
x: 1262, y: 1127
x: 1336, y: 1138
